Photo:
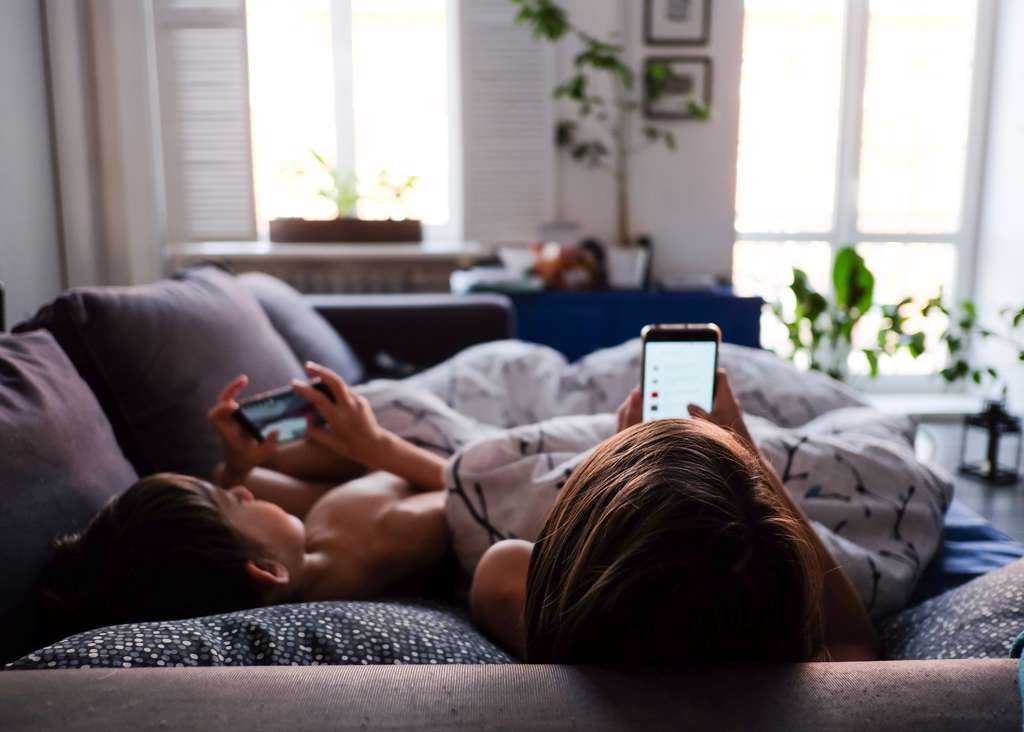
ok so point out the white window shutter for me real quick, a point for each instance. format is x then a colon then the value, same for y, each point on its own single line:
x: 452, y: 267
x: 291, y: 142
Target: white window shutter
x: 507, y: 123
x: 204, y: 112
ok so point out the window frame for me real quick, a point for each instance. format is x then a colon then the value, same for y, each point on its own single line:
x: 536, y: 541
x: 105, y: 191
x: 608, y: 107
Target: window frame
x: 845, y: 212
x: 344, y: 112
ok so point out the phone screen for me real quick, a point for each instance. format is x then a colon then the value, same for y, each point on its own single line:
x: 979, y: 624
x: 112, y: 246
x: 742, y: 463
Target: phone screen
x: 676, y: 375
x: 281, y: 413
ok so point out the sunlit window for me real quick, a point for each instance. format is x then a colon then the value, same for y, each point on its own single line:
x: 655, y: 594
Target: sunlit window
x: 855, y: 128
x: 396, y: 75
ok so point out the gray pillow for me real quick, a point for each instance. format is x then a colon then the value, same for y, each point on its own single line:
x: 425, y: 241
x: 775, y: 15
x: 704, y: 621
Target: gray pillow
x: 306, y: 634
x: 157, y: 355
x: 310, y: 337
x: 980, y: 619
x: 59, y: 463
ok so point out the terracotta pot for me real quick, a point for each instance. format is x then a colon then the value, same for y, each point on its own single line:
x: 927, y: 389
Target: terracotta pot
x: 306, y: 231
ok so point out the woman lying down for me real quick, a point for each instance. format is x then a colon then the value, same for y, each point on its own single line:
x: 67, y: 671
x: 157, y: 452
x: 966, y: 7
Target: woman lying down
x: 668, y: 541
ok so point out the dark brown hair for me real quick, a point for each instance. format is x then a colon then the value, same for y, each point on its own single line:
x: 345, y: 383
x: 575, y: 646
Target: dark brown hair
x: 668, y: 545
x: 161, y: 550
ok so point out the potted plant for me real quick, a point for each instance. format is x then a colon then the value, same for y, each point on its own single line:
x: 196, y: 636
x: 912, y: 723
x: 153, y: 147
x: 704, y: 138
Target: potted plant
x: 600, y: 135
x: 343, y: 193
x: 821, y: 331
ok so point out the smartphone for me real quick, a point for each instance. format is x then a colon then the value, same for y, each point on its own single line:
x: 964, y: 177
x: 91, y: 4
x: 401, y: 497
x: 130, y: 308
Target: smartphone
x: 679, y: 366
x: 280, y: 410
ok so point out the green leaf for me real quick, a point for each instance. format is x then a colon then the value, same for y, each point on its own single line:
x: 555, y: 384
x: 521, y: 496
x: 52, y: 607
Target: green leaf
x: 916, y: 345
x: 872, y: 357
x: 698, y: 110
x: 565, y: 133
x: 854, y: 284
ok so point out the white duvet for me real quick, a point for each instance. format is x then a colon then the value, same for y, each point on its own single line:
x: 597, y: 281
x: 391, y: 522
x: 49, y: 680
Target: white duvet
x: 516, y: 418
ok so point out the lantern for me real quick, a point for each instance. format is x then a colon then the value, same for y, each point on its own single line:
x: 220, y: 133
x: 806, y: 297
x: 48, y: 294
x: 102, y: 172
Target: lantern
x: 996, y: 424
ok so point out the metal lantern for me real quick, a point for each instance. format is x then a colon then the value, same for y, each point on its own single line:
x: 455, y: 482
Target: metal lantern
x: 997, y: 424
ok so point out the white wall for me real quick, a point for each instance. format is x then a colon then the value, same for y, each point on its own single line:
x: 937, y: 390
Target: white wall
x: 685, y: 200
x: 1000, y: 267
x: 30, y: 263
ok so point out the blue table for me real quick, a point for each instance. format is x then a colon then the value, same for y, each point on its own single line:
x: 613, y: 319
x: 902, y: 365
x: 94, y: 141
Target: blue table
x: 577, y: 323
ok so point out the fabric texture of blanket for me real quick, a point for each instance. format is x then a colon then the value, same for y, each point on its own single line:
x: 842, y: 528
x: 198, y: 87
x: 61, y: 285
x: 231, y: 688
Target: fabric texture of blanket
x: 516, y: 418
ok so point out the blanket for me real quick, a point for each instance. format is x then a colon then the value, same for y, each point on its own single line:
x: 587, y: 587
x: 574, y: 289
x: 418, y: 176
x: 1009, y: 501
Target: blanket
x: 516, y: 418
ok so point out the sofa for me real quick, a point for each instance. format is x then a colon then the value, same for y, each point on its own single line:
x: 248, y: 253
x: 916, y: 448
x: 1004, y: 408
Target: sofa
x: 106, y: 384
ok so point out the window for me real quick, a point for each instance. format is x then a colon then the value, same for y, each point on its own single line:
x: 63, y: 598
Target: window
x: 861, y: 124
x: 367, y: 85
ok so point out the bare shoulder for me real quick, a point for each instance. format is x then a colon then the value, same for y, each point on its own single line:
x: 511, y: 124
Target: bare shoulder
x: 498, y: 595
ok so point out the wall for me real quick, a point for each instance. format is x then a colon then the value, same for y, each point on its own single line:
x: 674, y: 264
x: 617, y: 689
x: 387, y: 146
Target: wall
x: 684, y: 200
x: 30, y: 263
x: 1000, y: 265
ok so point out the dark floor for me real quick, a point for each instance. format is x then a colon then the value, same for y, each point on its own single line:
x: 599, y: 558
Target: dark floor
x: 1002, y: 505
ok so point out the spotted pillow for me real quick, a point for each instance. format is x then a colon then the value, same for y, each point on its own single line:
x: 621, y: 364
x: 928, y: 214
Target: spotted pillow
x: 979, y: 619
x: 306, y: 634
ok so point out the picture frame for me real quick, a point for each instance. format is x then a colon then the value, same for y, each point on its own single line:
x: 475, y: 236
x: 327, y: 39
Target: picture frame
x: 677, y: 22
x: 691, y: 78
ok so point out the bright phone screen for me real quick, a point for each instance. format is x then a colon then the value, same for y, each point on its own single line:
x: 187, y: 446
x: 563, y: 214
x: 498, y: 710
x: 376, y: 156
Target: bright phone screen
x: 676, y: 375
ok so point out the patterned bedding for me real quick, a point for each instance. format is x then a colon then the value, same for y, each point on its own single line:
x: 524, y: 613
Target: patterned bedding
x: 517, y: 418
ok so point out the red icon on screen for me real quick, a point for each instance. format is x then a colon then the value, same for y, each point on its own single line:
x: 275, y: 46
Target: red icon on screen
x: 654, y: 395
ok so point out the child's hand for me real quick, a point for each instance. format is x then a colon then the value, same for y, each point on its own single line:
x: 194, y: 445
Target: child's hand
x: 242, y: 451
x: 352, y: 429
x: 725, y: 412
x: 631, y: 410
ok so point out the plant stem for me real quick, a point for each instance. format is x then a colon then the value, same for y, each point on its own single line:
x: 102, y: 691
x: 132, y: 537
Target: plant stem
x: 621, y: 165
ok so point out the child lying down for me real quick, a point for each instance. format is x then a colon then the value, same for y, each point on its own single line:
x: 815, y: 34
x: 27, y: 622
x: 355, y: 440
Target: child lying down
x: 670, y: 540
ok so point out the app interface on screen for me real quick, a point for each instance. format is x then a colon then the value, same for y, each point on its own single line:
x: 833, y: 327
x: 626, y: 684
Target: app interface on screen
x: 285, y: 414
x: 677, y: 375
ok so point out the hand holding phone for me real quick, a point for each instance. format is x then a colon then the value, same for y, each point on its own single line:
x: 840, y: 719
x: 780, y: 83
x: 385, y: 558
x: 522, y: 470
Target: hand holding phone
x: 281, y: 411
x: 679, y: 369
x: 242, y: 450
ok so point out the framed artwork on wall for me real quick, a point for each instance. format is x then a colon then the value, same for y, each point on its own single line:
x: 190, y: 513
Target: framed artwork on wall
x: 686, y: 80
x: 677, y: 22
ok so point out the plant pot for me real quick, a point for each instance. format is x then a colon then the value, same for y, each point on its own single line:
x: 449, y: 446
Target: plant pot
x: 307, y: 231
x: 626, y: 266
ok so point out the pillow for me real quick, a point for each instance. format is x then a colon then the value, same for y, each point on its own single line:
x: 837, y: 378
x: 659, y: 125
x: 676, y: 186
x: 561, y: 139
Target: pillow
x: 980, y: 619
x: 157, y: 356
x: 59, y: 463
x: 306, y: 634
x: 310, y: 337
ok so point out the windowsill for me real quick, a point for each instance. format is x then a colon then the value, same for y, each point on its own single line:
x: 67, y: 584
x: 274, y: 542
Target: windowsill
x: 928, y: 407
x: 235, y: 250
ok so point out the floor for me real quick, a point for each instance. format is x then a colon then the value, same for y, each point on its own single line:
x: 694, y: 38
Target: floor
x: 1002, y: 505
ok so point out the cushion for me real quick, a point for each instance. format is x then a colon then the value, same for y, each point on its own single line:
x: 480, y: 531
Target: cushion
x: 59, y: 463
x: 980, y: 619
x: 157, y: 356
x: 305, y: 634
x: 310, y: 337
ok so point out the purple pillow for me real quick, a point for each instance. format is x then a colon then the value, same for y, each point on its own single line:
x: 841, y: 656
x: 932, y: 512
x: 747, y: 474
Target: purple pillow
x: 59, y: 463
x: 157, y: 356
x: 310, y: 337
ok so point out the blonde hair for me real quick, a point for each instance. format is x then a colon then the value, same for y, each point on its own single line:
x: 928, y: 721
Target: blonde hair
x: 668, y: 544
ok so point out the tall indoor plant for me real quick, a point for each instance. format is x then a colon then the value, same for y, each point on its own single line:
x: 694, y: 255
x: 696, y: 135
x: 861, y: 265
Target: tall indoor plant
x: 599, y: 135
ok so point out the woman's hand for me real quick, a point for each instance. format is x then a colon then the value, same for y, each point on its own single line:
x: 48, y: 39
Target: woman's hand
x: 631, y: 410
x: 352, y: 430
x: 725, y: 412
x: 242, y: 451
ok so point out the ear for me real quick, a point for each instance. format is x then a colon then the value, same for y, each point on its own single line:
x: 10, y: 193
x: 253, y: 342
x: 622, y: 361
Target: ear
x: 269, y: 573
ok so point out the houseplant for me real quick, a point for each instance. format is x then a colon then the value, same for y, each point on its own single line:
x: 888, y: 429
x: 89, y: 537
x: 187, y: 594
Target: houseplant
x: 342, y: 191
x: 821, y: 331
x: 599, y: 135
